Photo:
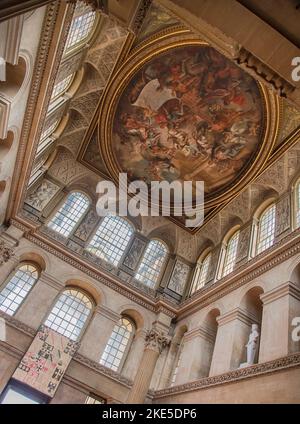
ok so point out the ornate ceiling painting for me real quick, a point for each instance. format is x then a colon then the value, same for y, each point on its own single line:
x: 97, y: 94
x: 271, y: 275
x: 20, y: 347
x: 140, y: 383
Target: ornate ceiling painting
x: 182, y: 111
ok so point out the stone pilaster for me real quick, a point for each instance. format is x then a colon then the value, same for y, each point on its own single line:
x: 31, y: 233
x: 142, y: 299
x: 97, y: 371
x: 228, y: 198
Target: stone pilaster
x: 232, y: 335
x: 98, y: 332
x: 281, y: 305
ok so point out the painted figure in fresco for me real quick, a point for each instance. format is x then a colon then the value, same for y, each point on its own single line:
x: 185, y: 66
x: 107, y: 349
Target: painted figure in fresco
x: 188, y: 113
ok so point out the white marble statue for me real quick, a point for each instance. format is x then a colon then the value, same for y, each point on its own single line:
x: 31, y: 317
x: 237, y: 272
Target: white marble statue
x: 252, y: 346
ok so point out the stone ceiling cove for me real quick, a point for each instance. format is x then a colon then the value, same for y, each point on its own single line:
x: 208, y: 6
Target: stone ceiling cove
x: 216, y: 129
x: 199, y: 125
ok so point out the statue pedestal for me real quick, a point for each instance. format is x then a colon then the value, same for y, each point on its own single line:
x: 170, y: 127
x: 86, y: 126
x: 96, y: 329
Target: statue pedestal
x: 244, y: 365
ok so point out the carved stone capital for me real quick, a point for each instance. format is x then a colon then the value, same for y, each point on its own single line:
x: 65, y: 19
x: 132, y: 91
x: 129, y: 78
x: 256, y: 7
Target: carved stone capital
x: 5, y: 252
x: 156, y: 340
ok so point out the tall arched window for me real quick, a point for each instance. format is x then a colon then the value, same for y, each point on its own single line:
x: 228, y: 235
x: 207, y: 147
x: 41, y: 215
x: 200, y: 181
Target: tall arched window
x: 17, y: 288
x: 201, y: 273
x: 266, y: 229
x: 118, y: 344
x: 70, y: 313
x: 297, y: 204
x: 151, y: 264
x: 69, y: 215
x: 81, y: 26
x: 230, y: 254
x: 111, y: 239
x: 61, y: 87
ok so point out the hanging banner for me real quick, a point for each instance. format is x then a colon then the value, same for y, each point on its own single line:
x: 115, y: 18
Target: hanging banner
x: 44, y: 364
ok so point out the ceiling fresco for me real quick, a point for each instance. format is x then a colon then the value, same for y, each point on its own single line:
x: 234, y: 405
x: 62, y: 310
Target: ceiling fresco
x: 188, y: 114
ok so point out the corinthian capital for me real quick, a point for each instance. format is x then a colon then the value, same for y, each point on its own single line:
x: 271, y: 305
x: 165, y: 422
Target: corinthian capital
x: 156, y: 340
x: 5, y: 253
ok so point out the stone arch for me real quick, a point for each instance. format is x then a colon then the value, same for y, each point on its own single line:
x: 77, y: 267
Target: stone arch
x: 137, y: 314
x: 295, y: 274
x: 167, y: 235
x: 251, y: 313
x: 35, y: 258
x: 86, y: 287
x: 6, y: 144
x: 15, y: 77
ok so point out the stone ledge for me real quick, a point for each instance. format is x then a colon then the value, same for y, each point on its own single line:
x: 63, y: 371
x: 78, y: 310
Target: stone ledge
x: 256, y: 370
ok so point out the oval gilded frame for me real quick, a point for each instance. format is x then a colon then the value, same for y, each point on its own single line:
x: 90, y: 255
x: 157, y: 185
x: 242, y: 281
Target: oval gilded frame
x: 145, y: 53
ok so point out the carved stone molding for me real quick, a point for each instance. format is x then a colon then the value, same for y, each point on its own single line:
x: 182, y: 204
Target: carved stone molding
x: 259, y: 69
x: 18, y: 324
x: 140, y: 15
x: 156, y: 340
x: 256, y: 370
x: 107, y: 372
x: 5, y: 253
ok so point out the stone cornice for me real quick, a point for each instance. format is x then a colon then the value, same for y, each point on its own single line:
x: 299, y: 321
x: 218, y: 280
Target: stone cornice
x: 13, y: 322
x: 203, y: 332
x: 107, y: 313
x: 107, y: 372
x: 236, y: 314
x: 286, y: 362
x: 281, y: 251
x: 284, y: 289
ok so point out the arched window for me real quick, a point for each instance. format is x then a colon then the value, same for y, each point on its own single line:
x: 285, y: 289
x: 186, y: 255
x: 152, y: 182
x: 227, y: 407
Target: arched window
x: 151, y: 264
x: 66, y: 218
x: 81, y: 26
x: 201, y: 273
x: 297, y: 204
x: 61, y: 87
x: 230, y: 254
x: 118, y: 344
x: 266, y: 229
x: 17, y: 288
x: 70, y: 313
x: 111, y: 239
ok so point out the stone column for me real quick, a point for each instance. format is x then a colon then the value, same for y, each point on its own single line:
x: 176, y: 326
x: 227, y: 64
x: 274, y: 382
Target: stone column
x: 134, y: 356
x: 281, y: 305
x: 155, y: 342
x: 170, y: 361
x: 232, y: 335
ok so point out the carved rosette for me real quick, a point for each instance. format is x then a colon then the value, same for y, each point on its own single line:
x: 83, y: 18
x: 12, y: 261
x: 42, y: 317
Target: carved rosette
x: 5, y: 253
x: 156, y: 340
